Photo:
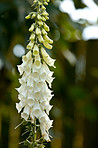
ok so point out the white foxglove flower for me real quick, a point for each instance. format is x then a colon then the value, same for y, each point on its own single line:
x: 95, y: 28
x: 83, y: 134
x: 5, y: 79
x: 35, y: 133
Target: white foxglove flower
x: 30, y: 81
x: 27, y: 57
x: 36, y: 110
x: 44, y: 53
x: 24, y: 78
x: 36, y: 78
x: 27, y: 110
x: 32, y: 115
x: 37, y: 62
x: 24, y: 116
x: 46, y: 105
x: 35, y: 50
x: 30, y: 45
x: 49, y: 79
x: 19, y: 107
x: 20, y: 97
x: 47, y: 58
x: 21, y: 68
x: 33, y: 89
x: 43, y: 73
x: 30, y: 102
x: 30, y: 95
x: 22, y: 82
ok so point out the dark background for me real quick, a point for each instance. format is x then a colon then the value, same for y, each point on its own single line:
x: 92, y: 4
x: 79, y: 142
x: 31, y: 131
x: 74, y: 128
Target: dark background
x: 75, y: 86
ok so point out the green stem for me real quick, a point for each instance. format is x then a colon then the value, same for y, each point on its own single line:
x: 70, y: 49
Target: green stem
x: 34, y: 131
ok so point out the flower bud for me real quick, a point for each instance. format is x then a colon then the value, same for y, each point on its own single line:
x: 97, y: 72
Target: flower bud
x: 46, y: 27
x: 45, y: 3
x: 47, y: 45
x: 46, y: 17
x: 40, y: 23
x: 43, y: 8
x: 40, y: 3
x: 38, y: 31
x: 43, y: 18
x: 33, y: 15
x: 32, y: 37
x: 45, y: 13
x: 35, y: 1
x: 44, y: 32
x: 47, y: 39
x: 40, y: 38
x: 27, y: 17
x: 39, y: 17
x: 31, y: 28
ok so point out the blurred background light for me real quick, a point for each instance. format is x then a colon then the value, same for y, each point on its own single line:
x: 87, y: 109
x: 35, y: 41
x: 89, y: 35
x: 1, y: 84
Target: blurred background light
x: 90, y: 32
x: 87, y: 16
x: 56, y: 35
x: 67, y: 6
x: 90, y: 4
x: 89, y: 13
x: 18, y: 50
x: 70, y: 57
x: 1, y: 63
x: 80, y: 68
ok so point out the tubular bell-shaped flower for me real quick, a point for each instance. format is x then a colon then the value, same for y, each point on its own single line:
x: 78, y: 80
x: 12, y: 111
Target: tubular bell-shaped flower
x: 34, y: 93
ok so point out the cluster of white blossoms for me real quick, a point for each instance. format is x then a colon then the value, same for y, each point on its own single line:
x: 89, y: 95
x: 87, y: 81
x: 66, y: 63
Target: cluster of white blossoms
x: 34, y: 92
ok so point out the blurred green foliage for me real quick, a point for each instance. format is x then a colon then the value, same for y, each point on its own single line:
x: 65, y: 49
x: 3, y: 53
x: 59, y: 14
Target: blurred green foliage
x: 75, y: 87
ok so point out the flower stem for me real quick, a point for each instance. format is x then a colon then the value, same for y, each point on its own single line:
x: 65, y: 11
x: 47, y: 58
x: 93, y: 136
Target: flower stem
x: 34, y: 131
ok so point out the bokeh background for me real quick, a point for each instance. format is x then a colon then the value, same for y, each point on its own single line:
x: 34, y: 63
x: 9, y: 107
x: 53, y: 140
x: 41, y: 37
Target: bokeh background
x: 74, y: 29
